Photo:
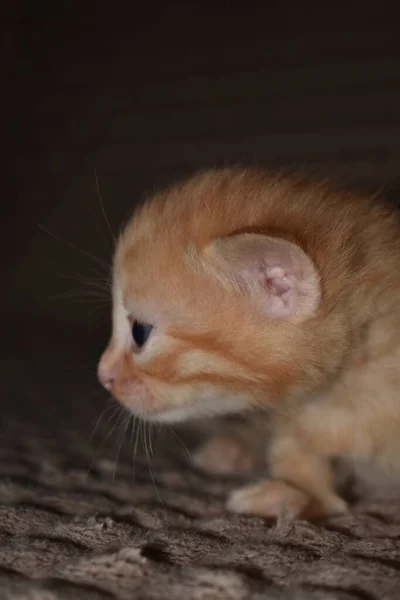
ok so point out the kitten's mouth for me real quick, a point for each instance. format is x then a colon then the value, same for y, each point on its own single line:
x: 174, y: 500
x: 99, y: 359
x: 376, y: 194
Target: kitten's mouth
x: 143, y: 405
x: 139, y: 400
x: 153, y: 410
x: 179, y: 404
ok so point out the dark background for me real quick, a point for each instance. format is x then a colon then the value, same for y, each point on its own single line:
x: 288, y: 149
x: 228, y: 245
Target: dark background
x: 145, y: 95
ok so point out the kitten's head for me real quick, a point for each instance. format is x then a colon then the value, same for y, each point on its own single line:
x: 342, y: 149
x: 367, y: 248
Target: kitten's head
x: 213, y: 311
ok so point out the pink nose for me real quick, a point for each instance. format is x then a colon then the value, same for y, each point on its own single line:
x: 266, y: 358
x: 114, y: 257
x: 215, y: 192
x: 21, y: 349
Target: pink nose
x: 107, y: 375
x: 109, y: 369
x: 106, y: 379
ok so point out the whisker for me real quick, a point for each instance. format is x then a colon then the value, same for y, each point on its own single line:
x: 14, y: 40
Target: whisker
x: 97, y: 260
x: 147, y: 432
x: 144, y: 440
x: 106, y: 437
x: 97, y: 277
x: 138, y: 426
x: 79, y: 294
x: 132, y: 429
x: 87, y: 370
x: 121, y: 442
x: 181, y: 442
x: 154, y: 483
x: 150, y: 439
x: 95, y: 282
x: 102, y: 208
x: 103, y: 412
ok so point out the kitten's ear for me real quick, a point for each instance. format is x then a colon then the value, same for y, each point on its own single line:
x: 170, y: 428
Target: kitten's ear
x: 279, y: 276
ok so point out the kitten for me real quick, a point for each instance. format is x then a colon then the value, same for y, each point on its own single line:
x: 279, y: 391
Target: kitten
x: 239, y: 291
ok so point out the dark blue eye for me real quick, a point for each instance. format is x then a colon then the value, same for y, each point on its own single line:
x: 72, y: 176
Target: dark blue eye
x: 141, y: 333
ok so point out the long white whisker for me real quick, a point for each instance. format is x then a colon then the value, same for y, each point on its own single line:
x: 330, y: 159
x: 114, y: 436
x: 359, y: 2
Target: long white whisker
x: 149, y: 444
x: 144, y: 440
x: 80, y: 294
x: 120, y: 444
x: 137, y: 434
x: 133, y: 421
x: 97, y: 260
x: 97, y: 279
x: 102, y: 207
x: 154, y: 483
x: 117, y: 409
x: 103, y: 412
x: 149, y: 464
x: 181, y: 442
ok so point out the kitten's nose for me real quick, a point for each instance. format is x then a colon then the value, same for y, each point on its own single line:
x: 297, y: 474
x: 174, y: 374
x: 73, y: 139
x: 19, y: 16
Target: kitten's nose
x: 107, y: 373
x: 106, y: 379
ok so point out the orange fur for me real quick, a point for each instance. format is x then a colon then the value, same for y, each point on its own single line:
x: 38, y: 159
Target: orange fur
x: 330, y: 371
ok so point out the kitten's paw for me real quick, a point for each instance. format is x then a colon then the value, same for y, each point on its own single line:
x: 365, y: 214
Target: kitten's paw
x: 224, y: 454
x: 271, y: 499
x: 268, y: 499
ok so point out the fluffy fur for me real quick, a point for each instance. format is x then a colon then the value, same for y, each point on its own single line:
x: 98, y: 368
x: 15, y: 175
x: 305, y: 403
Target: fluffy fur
x: 266, y: 294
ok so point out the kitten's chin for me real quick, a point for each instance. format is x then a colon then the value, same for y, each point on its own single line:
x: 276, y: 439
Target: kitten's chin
x: 206, y: 403
x: 200, y: 409
x: 174, y: 415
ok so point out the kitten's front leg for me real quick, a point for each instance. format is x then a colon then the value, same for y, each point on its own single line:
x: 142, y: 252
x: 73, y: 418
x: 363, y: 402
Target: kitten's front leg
x: 236, y: 448
x: 302, y: 483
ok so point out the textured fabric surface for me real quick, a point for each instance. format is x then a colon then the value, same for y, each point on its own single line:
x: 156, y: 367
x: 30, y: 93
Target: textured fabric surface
x: 78, y: 523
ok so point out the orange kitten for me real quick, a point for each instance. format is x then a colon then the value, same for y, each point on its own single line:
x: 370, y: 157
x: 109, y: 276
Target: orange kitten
x: 240, y: 291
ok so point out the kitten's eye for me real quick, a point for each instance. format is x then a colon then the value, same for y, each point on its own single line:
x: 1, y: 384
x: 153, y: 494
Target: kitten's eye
x: 141, y: 333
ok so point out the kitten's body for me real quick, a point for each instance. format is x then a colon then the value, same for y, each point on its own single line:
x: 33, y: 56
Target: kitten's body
x: 265, y: 292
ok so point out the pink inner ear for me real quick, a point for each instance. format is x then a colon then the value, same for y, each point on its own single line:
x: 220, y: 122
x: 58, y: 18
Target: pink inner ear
x: 280, y: 288
x: 276, y: 273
